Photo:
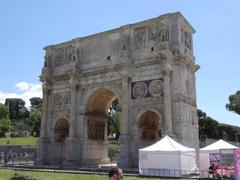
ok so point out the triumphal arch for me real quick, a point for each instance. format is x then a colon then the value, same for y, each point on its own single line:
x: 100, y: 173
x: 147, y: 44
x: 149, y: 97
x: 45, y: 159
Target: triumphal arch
x: 148, y: 66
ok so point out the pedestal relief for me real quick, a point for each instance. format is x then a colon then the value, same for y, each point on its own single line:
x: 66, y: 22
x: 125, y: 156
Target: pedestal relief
x: 96, y: 130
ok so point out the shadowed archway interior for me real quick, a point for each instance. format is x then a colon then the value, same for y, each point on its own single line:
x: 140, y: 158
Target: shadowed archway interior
x: 149, y: 129
x: 61, y: 130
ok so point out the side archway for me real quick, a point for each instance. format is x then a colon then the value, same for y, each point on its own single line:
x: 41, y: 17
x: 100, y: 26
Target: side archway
x: 61, y: 132
x: 149, y: 128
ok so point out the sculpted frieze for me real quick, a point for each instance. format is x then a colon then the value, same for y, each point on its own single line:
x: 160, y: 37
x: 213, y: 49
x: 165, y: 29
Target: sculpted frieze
x: 148, y: 100
x: 186, y: 38
x: 163, y: 35
x: 140, y: 37
x: 64, y: 55
x: 151, y: 33
x: 146, y: 34
x: 61, y: 102
x: 61, y: 77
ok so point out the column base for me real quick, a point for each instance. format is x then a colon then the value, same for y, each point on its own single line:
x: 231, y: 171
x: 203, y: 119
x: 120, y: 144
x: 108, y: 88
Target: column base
x: 124, y: 154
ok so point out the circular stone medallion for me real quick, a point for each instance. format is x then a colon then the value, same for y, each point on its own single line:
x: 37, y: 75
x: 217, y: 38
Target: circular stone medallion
x: 139, y: 90
x: 156, y: 88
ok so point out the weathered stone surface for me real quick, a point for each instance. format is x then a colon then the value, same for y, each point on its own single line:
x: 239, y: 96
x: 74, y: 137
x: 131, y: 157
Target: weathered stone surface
x: 148, y: 66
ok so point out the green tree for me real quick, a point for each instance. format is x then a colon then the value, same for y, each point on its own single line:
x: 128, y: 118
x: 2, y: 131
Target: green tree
x: 36, y: 102
x: 35, y: 116
x: 114, y: 119
x: 210, y: 128
x: 4, y: 120
x: 17, y: 108
x: 18, y: 115
x: 35, y: 122
x: 234, y: 103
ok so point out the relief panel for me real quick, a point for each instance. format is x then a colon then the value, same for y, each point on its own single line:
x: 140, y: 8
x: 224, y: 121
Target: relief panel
x: 96, y: 129
x: 64, y: 55
x: 61, y: 102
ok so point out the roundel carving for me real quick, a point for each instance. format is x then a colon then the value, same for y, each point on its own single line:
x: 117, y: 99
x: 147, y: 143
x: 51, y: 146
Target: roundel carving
x: 140, y: 89
x: 156, y: 88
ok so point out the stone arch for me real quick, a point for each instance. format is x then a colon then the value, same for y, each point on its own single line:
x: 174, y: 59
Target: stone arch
x: 95, y: 123
x: 88, y: 93
x: 61, y: 132
x: 149, y: 127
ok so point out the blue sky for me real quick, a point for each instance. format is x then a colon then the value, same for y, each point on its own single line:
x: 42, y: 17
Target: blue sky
x: 26, y: 26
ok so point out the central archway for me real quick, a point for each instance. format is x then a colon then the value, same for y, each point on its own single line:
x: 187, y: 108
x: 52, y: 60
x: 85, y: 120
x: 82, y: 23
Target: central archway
x: 96, y: 119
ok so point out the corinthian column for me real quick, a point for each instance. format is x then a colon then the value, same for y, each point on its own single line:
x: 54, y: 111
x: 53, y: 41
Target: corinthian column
x: 44, y: 119
x: 71, y: 142
x: 167, y: 103
x: 124, y: 113
x: 123, y: 139
x: 73, y: 110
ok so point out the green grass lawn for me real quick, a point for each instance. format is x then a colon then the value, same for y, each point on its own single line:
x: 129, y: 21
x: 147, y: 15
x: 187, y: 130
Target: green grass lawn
x: 113, y: 144
x: 6, y: 174
x: 19, y: 141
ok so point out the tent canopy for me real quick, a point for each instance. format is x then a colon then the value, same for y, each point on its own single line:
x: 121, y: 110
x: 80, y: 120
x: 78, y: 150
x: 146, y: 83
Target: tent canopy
x: 167, y: 158
x: 167, y: 144
x: 214, y: 148
x: 220, y: 144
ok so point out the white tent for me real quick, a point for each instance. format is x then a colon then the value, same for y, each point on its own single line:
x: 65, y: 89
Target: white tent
x: 204, y: 154
x: 167, y: 158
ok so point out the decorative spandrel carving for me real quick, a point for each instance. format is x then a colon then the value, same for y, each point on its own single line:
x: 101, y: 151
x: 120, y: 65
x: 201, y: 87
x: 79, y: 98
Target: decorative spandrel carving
x: 64, y: 55
x: 140, y: 37
x: 61, y: 102
x: 186, y: 38
x: 148, y: 88
x: 140, y: 89
x: 96, y: 130
x: 156, y: 88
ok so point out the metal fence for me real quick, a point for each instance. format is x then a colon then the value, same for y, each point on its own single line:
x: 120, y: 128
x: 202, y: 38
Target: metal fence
x: 17, y: 154
x: 220, y: 174
x: 16, y: 158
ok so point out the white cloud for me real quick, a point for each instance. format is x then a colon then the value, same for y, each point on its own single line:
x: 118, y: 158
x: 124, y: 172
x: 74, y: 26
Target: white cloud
x: 22, y: 86
x: 28, y: 91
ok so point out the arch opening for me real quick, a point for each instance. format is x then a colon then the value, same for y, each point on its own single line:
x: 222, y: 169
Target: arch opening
x: 149, y: 129
x: 61, y: 130
x: 99, y: 109
x: 97, y: 113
